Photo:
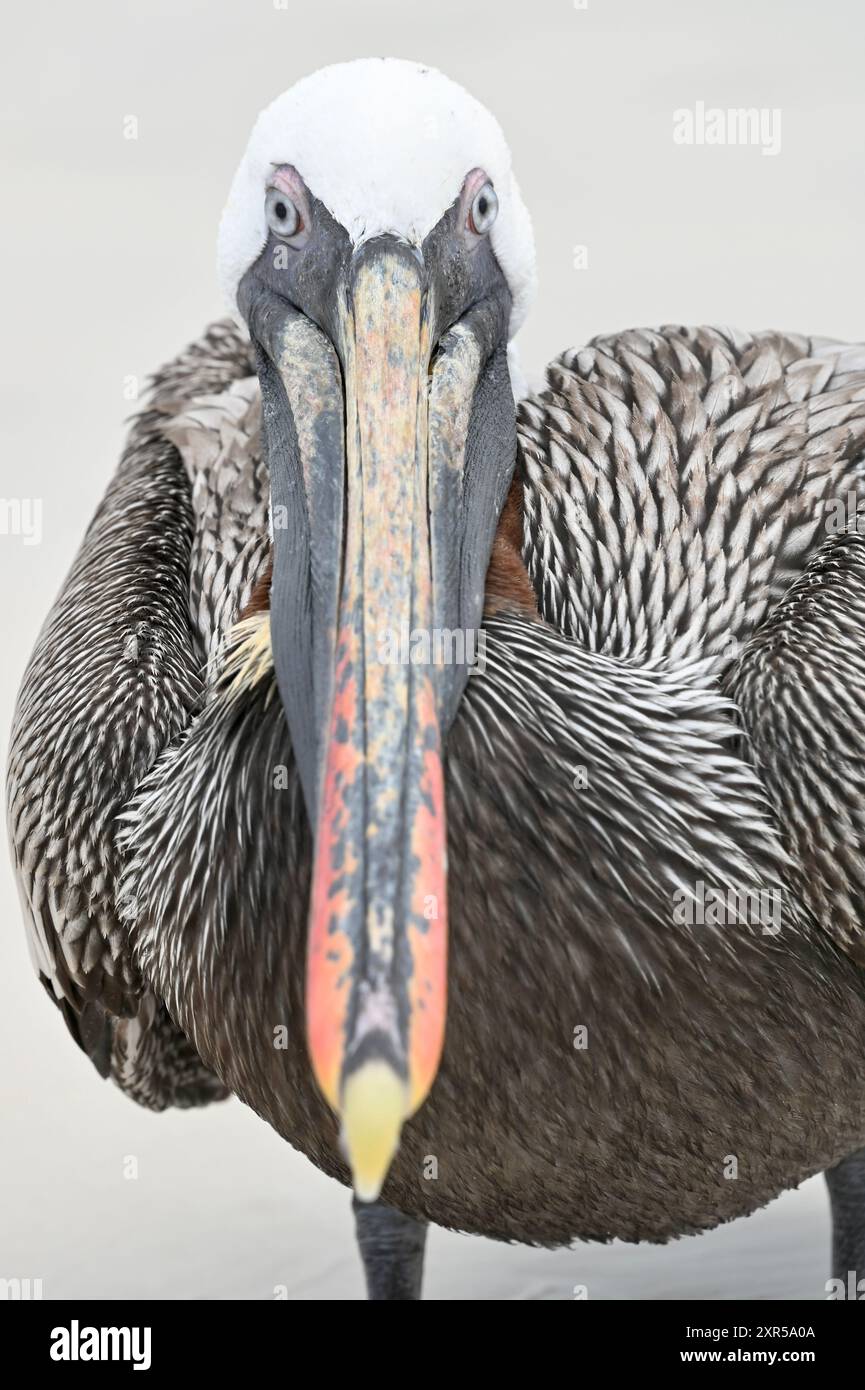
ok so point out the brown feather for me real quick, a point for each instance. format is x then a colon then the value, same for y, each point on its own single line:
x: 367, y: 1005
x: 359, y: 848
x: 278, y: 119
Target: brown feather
x: 508, y: 583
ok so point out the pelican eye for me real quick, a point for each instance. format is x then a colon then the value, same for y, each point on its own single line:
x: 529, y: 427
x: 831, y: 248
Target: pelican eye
x: 484, y: 210
x: 282, y: 216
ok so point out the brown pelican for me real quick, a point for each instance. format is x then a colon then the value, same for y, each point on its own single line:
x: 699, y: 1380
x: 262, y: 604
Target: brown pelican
x: 366, y: 682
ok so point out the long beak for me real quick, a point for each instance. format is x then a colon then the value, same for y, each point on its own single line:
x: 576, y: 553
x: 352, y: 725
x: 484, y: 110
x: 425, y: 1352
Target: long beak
x: 376, y: 965
x: 364, y: 585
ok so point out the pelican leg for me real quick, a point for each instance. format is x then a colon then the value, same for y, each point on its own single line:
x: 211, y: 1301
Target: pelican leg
x: 392, y: 1250
x: 846, y: 1183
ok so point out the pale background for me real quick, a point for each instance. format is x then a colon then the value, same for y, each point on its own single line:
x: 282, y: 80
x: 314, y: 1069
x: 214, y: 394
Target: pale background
x: 108, y: 269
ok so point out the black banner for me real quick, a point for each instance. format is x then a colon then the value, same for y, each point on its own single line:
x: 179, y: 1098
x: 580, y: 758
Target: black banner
x: 154, y: 1338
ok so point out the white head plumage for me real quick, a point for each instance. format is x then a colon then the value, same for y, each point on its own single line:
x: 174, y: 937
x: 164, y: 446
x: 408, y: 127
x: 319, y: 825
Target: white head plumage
x: 385, y: 145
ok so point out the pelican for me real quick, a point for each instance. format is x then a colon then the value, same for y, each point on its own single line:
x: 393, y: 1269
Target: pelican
x: 473, y: 788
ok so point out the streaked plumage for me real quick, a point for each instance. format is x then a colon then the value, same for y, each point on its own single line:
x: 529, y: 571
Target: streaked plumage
x: 631, y: 556
x: 670, y: 696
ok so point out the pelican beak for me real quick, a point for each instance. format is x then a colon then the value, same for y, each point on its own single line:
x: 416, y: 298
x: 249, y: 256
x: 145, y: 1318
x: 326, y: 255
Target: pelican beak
x: 369, y: 613
x: 376, y: 965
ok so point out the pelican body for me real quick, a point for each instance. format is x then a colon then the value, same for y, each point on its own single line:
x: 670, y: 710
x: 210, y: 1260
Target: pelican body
x: 532, y: 939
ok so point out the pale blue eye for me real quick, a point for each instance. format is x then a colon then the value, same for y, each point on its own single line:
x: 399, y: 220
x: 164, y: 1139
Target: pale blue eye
x: 485, y: 209
x: 283, y: 217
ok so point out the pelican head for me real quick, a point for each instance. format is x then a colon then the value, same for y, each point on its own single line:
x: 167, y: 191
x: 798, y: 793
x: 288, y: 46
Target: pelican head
x: 375, y: 243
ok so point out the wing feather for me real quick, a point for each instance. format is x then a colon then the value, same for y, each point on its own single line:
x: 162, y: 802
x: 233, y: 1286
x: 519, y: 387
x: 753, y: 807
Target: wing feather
x: 113, y: 679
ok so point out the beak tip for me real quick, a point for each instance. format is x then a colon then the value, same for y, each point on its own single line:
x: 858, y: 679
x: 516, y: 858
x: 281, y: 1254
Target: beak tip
x: 368, y: 1193
x: 374, y: 1106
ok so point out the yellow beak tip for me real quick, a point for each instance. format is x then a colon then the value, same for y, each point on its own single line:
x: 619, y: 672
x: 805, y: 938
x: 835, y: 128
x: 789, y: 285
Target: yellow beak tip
x: 374, y: 1106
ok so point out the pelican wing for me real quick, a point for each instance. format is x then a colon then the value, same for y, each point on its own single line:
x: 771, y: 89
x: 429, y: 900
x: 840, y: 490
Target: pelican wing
x: 115, y: 676
x: 800, y: 687
x: 679, y: 487
x: 676, y: 482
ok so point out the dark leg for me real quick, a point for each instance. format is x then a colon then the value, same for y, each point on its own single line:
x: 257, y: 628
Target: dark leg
x: 391, y: 1247
x: 846, y: 1184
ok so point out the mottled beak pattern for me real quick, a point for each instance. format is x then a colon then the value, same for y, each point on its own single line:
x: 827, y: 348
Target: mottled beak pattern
x: 378, y: 533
